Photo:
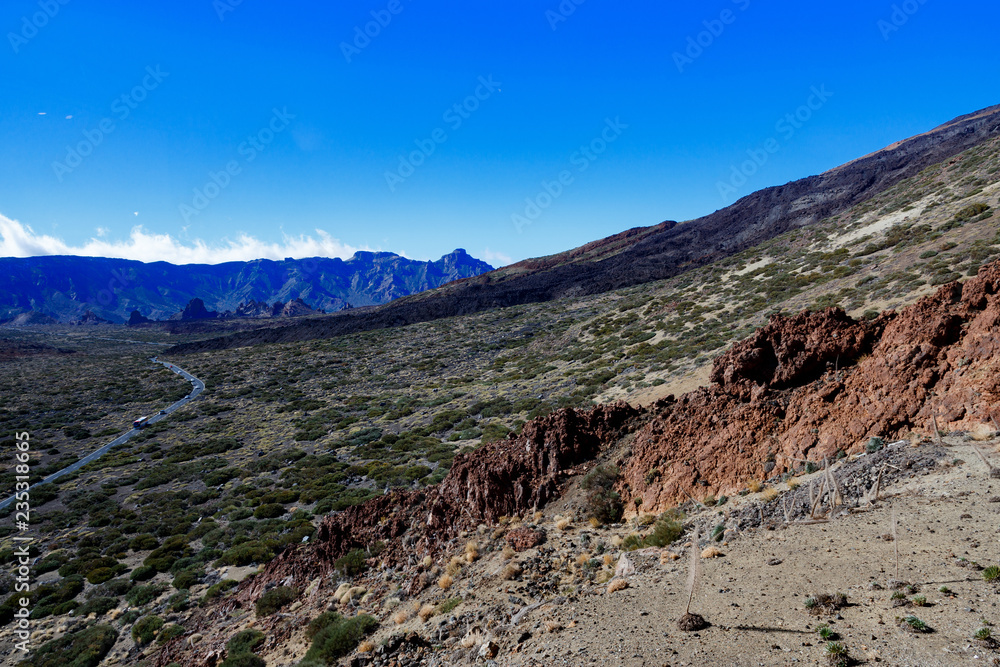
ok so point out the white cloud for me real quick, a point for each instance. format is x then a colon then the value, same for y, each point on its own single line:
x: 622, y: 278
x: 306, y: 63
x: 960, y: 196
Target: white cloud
x: 102, y: 231
x: 20, y: 240
x: 496, y: 259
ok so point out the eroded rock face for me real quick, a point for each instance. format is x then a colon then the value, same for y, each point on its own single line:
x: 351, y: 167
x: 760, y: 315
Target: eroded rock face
x: 508, y: 477
x: 524, y: 538
x: 782, y: 396
x: 792, y: 351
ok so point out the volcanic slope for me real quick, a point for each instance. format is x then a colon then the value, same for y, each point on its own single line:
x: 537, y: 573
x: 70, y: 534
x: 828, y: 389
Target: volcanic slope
x: 640, y: 256
x: 288, y: 437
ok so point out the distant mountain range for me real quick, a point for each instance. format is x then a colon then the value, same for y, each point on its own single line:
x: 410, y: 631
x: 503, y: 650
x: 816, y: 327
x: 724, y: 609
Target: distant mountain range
x: 65, y: 288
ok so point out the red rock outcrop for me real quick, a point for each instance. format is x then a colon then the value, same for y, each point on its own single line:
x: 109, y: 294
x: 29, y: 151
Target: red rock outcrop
x: 508, y: 477
x: 805, y: 387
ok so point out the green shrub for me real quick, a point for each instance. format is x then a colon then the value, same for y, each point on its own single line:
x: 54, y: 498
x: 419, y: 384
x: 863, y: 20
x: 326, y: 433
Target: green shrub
x: 101, y: 574
x: 275, y: 599
x: 971, y: 211
x: 269, y: 511
x: 874, y: 445
x: 143, y: 595
x: 246, y: 554
x: 669, y: 526
x: 992, y: 573
x: 218, y: 589
x: 243, y: 660
x: 99, y: 606
x: 601, y: 478
x: 606, y: 506
x: 914, y: 624
x: 339, y: 637
x: 169, y: 632
x: 245, y: 641
x: 179, y: 600
x: 145, y: 629
x: 836, y: 655
x: 320, y: 622
x: 144, y: 542
x: 80, y: 648
x: 143, y: 573
x: 352, y: 563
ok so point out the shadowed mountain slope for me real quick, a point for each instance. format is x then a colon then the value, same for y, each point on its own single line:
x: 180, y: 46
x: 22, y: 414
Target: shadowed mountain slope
x: 644, y: 255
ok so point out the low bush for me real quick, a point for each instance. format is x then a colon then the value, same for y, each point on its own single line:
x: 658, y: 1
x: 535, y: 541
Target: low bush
x: 218, y: 589
x: 352, y: 563
x: 269, y: 511
x: 339, y: 637
x: 169, y: 632
x: 143, y: 595
x: 275, y: 599
x: 79, y: 648
x: 145, y: 629
x: 245, y: 641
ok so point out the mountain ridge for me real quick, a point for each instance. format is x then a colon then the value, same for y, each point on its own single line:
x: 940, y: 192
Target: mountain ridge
x: 65, y: 287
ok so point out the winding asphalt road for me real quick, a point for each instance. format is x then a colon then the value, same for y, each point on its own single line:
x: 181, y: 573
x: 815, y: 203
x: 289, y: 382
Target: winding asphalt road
x: 197, y: 386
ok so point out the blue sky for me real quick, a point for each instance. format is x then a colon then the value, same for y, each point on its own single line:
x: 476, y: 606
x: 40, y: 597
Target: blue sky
x: 210, y: 131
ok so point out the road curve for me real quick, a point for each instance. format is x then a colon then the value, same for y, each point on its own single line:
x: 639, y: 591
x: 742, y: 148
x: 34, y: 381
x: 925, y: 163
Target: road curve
x: 197, y: 386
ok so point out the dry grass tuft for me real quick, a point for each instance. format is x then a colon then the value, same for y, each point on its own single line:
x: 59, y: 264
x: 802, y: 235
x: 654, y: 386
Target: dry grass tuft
x: 474, y: 637
x: 582, y: 559
x: 508, y: 552
x: 401, y: 616
x: 609, y: 560
x: 616, y: 541
x: 769, y: 494
x: 562, y: 523
x: 426, y: 612
x: 510, y: 571
x: 553, y: 626
x: 754, y: 486
x: 471, y: 552
x: 711, y: 552
x: 982, y: 432
x: 594, y: 522
x: 617, y: 585
x: 667, y: 556
x: 427, y: 562
x: 794, y: 483
x: 366, y: 646
x: 445, y: 582
x: 454, y: 566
